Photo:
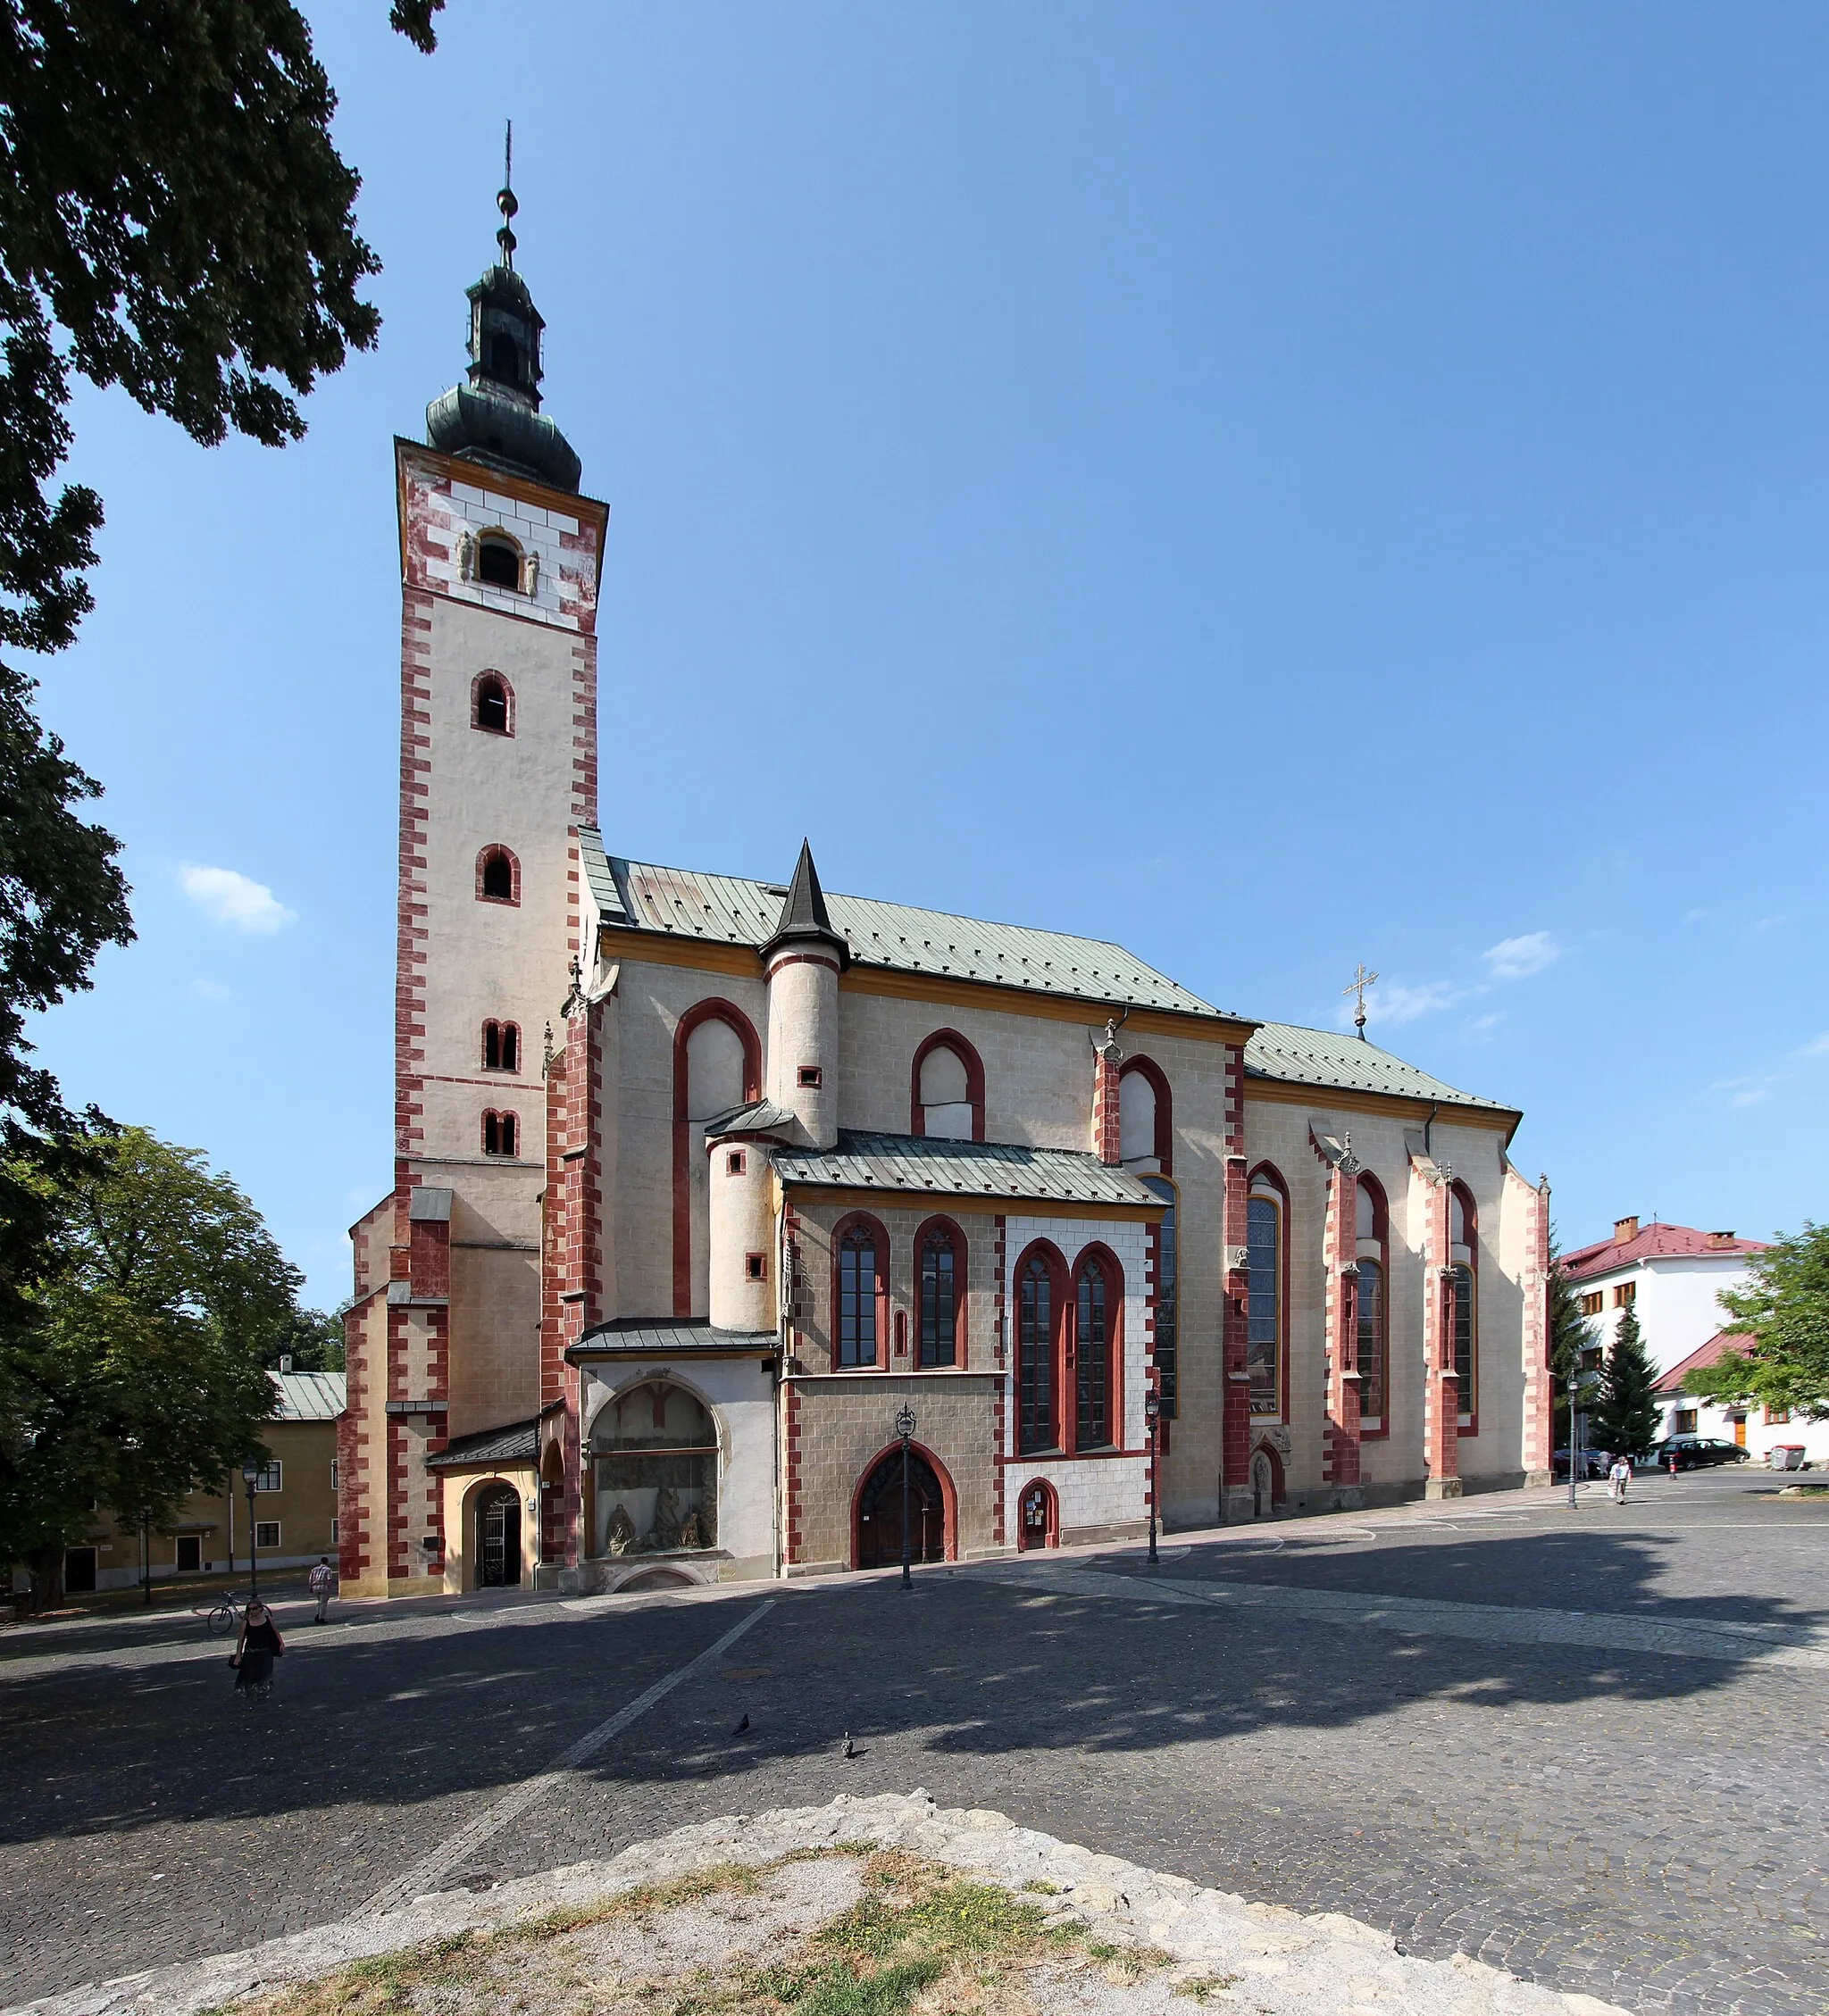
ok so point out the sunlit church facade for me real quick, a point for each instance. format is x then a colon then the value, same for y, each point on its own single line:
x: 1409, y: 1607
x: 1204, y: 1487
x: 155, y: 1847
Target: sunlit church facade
x: 707, y: 1187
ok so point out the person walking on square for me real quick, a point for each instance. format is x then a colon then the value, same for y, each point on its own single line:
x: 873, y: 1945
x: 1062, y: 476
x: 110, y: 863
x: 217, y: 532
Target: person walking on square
x: 323, y: 1584
x: 1617, y: 1478
x: 256, y: 1650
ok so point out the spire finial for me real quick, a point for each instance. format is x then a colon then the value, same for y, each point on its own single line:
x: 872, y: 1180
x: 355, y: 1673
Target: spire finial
x: 1356, y: 986
x: 505, y: 203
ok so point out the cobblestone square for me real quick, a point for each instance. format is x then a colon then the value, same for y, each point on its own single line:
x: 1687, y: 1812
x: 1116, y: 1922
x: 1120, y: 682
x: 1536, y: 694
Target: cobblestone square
x: 1587, y: 1747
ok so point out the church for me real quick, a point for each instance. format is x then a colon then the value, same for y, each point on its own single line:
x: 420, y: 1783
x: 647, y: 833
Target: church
x: 722, y: 1204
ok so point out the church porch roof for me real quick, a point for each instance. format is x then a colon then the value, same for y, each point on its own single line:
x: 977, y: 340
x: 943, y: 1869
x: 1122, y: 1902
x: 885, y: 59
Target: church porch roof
x: 999, y: 1171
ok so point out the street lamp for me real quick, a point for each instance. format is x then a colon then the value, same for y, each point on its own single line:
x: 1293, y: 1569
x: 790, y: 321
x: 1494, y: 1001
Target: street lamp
x: 1152, y: 1411
x: 1575, y: 1424
x: 250, y: 1474
x: 905, y: 1427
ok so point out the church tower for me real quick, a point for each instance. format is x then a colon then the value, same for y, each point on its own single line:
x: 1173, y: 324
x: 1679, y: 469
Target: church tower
x: 500, y: 561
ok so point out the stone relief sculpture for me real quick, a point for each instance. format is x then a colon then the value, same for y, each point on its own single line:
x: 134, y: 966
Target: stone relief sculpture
x: 621, y: 1533
x: 664, y: 1534
x: 530, y: 574
x: 466, y: 556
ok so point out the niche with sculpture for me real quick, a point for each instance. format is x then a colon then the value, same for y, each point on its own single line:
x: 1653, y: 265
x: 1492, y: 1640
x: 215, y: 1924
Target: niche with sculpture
x: 654, y: 1450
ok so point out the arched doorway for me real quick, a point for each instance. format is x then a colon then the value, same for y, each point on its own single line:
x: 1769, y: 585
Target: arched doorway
x: 1037, y: 1516
x: 879, y: 1513
x: 499, y: 1537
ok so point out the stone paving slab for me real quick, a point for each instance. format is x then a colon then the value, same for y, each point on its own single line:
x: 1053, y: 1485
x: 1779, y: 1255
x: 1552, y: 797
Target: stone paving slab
x: 1287, y: 1964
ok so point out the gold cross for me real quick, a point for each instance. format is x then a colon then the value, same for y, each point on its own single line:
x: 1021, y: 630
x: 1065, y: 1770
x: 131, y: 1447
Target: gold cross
x: 1356, y: 986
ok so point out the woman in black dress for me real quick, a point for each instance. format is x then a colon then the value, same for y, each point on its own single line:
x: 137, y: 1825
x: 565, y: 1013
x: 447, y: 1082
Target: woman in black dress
x: 256, y: 1650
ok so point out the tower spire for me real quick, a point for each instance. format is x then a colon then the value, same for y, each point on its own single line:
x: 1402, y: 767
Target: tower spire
x: 505, y: 203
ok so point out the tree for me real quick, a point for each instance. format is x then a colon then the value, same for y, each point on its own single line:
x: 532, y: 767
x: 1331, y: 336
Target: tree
x: 175, y: 219
x: 1626, y: 1416
x: 1783, y: 1316
x: 313, y: 1341
x: 143, y: 1375
x: 1570, y: 1335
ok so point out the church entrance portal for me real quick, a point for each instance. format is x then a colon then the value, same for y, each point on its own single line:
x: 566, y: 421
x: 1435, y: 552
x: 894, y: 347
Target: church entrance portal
x: 499, y: 1537
x: 880, y: 1513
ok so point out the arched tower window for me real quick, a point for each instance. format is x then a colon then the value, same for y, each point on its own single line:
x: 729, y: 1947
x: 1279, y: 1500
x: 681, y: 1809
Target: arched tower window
x: 1146, y: 1118
x: 1464, y: 1261
x: 1267, y: 1232
x: 504, y: 358
x: 500, y: 1134
x: 948, y: 1089
x: 940, y: 1254
x: 861, y: 1293
x: 498, y: 561
x: 498, y: 876
x: 1372, y: 1251
x: 1095, y: 1312
x: 501, y: 1046
x: 1039, y: 1315
x: 491, y: 704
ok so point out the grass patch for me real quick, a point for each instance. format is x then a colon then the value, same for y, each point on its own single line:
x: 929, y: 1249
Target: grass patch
x: 1204, y: 1987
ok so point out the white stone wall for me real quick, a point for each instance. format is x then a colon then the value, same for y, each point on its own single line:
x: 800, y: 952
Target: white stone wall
x: 1676, y: 1307
x: 565, y: 594
x: 741, y: 1223
x: 803, y: 1018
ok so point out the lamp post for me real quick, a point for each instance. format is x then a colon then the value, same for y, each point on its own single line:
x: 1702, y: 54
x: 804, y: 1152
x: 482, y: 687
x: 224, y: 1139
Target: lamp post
x: 1575, y: 1424
x: 1152, y: 1411
x: 905, y: 1427
x: 250, y: 1476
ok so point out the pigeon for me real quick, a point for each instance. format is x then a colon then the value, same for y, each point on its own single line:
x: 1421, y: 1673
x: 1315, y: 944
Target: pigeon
x: 850, y: 1747
x: 740, y: 1727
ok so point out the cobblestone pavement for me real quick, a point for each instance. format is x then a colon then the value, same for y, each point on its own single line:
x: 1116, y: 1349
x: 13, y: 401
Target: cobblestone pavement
x: 1650, y: 1827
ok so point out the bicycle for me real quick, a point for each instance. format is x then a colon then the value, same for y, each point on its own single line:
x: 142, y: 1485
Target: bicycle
x: 225, y: 1617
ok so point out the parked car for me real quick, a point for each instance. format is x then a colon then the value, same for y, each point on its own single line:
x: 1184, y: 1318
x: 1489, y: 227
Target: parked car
x: 1697, y: 1451
x: 1594, y: 1463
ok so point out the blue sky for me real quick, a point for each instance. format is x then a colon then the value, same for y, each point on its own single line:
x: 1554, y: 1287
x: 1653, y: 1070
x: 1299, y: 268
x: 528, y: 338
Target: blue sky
x: 1276, y: 486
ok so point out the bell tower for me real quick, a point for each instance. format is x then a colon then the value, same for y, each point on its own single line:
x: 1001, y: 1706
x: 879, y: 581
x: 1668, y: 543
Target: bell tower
x: 500, y: 560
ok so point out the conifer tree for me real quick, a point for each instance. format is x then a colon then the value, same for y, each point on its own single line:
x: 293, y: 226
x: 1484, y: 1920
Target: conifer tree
x: 1625, y: 1416
x: 1570, y: 1335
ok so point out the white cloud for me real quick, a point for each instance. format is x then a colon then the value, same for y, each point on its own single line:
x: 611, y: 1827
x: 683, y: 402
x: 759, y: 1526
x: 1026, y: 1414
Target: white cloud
x: 1817, y: 1046
x: 1481, y: 1023
x: 1393, y: 1003
x: 1752, y: 1096
x: 1516, y: 959
x: 226, y: 897
x: 211, y: 990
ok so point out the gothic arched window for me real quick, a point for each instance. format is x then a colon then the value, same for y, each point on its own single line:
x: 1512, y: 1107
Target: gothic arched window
x: 1037, y: 1316
x: 949, y: 1092
x: 1371, y: 1250
x: 1266, y: 1231
x: 1093, y: 1312
x: 1464, y: 1260
x: 941, y: 1255
x: 1146, y: 1121
x: 862, y: 1291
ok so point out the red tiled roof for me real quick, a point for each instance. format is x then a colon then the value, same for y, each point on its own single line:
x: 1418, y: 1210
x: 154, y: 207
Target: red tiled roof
x: 1703, y: 1354
x: 1655, y: 1242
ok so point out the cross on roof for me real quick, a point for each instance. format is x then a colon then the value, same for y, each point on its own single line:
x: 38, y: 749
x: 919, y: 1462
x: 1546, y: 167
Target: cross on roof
x: 1356, y: 986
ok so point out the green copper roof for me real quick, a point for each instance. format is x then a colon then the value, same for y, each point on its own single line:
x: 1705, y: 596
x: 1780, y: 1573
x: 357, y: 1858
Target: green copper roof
x: 1328, y: 1059
x: 997, y: 1170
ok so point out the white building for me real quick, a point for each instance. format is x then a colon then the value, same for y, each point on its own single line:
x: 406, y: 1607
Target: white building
x: 1757, y: 1430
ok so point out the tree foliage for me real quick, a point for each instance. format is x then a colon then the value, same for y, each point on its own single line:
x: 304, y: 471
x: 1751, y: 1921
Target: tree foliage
x: 143, y: 1375
x: 1782, y: 1316
x: 1570, y: 1335
x: 1625, y: 1416
x: 312, y: 1340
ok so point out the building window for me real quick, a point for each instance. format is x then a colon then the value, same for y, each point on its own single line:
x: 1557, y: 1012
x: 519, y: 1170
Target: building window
x: 1371, y: 1233
x: 1683, y: 1421
x: 1592, y: 1305
x: 1265, y: 1213
x: 1777, y: 1417
x: 1463, y: 1257
x: 266, y: 1532
x: 333, y: 1530
x: 1093, y: 1311
x: 1625, y: 1295
x: 272, y: 1477
x: 811, y: 1078
x: 498, y: 561
x: 501, y: 1046
x: 735, y: 1162
x: 861, y: 1293
x: 498, y: 876
x: 939, y: 1252
x: 947, y: 1094
x: 756, y: 1266
x: 491, y: 704
x: 1145, y: 1125
x: 654, y: 1450
x: 1037, y: 1425
x: 333, y: 1473
x: 1168, y: 1357
x: 500, y: 1134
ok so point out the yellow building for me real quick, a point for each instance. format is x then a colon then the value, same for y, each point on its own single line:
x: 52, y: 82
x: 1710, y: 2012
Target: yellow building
x: 295, y: 1503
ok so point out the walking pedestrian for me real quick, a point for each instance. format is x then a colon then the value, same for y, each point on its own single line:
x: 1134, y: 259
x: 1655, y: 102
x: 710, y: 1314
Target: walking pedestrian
x: 256, y: 1650
x: 323, y: 1584
x: 1670, y: 1457
x: 1617, y: 1478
